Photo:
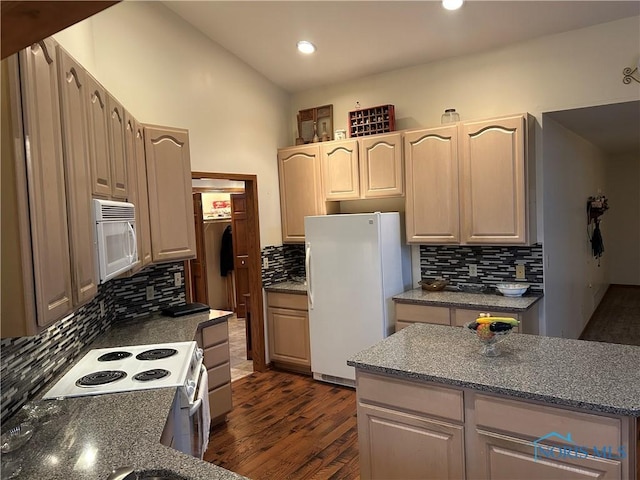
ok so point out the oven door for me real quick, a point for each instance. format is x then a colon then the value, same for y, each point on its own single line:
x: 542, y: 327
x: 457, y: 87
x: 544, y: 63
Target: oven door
x: 192, y: 418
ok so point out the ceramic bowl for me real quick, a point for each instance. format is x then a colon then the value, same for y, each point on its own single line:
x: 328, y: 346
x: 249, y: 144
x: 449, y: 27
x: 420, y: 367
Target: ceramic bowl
x: 512, y: 289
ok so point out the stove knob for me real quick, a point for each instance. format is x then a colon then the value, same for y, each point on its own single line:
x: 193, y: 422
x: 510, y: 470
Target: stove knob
x: 199, y: 353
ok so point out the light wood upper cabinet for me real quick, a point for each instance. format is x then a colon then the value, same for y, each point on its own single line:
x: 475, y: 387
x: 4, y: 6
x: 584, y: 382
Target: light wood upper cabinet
x: 73, y: 96
x: 35, y: 241
x: 169, y: 182
x: 381, y: 169
x: 143, y: 223
x: 493, y: 181
x: 431, y: 166
x: 301, y: 194
x: 468, y: 183
x: 340, y: 170
x: 118, y: 161
x: 98, y: 118
x: 137, y: 188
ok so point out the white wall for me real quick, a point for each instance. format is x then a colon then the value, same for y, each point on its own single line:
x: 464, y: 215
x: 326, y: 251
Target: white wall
x: 165, y: 72
x: 621, y: 223
x: 573, y: 170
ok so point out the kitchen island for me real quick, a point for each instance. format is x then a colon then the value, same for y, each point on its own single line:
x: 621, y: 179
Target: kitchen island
x: 430, y: 406
x: 93, y: 435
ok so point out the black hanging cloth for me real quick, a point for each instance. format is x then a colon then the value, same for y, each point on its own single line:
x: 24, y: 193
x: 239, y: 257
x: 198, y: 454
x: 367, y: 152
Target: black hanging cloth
x: 226, y: 252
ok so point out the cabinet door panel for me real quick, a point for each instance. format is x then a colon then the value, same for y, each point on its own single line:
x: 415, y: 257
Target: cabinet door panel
x: 170, y: 205
x: 432, y: 185
x: 340, y: 170
x: 300, y: 189
x: 289, y: 336
x: 143, y: 224
x: 493, y: 189
x: 73, y: 95
x: 502, y: 457
x: 399, y: 445
x: 99, y: 138
x: 47, y: 196
x: 118, y: 159
x: 381, y: 167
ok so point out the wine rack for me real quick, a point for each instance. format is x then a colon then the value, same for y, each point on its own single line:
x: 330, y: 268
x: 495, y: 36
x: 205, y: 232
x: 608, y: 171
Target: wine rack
x: 373, y: 120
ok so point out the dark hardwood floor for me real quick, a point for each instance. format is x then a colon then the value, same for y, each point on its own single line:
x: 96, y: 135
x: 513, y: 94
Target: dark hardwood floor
x: 288, y: 426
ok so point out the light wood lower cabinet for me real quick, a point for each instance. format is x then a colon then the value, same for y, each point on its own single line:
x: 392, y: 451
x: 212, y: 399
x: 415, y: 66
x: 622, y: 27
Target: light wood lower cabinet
x: 288, y: 331
x: 407, y: 314
x: 406, y: 432
x: 418, y: 430
x: 214, y: 340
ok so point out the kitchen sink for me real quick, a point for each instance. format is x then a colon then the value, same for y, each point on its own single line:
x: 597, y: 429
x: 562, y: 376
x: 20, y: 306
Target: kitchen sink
x: 127, y: 473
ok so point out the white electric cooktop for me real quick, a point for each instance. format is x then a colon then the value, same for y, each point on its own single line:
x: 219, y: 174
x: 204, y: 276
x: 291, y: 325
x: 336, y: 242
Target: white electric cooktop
x: 128, y: 368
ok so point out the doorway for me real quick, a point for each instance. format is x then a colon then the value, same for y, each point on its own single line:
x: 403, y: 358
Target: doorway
x: 249, y: 258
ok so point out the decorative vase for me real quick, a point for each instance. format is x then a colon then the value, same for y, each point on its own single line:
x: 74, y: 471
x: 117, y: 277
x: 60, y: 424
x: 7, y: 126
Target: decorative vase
x: 315, y: 133
x: 324, y: 136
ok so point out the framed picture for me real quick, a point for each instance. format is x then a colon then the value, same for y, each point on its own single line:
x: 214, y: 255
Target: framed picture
x: 315, y: 121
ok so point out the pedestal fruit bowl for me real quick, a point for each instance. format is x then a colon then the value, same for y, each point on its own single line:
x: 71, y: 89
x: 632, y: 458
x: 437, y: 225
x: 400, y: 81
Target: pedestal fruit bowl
x: 490, y: 331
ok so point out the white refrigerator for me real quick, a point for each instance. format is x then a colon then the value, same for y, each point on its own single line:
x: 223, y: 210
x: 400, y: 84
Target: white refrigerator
x: 354, y: 267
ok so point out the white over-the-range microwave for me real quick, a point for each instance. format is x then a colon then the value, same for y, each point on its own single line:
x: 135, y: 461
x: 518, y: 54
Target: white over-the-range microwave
x: 116, y: 245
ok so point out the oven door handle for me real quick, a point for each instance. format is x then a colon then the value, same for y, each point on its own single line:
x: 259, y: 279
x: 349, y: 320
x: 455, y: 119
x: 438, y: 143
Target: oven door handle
x: 197, y: 404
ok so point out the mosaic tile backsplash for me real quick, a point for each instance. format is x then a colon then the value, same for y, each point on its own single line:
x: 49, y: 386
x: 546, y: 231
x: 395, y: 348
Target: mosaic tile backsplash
x: 494, y: 264
x: 27, y: 364
x: 285, y: 262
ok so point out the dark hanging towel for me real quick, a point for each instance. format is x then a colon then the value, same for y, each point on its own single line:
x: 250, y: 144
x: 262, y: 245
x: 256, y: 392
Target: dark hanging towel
x: 226, y: 252
x: 597, y: 245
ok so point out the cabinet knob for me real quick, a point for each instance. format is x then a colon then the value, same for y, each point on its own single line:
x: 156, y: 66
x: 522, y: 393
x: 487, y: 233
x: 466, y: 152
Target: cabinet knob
x: 242, y: 262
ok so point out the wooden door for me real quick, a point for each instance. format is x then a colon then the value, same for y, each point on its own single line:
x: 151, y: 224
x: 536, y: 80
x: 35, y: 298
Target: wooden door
x: 381, y: 172
x: 170, y: 204
x: 73, y: 95
x: 240, y: 240
x: 492, y: 181
x: 46, y: 182
x: 403, y: 446
x: 98, y: 118
x: 431, y: 165
x: 198, y: 266
x: 300, y: 189
x: 118, y: 159
x: 340, y: 170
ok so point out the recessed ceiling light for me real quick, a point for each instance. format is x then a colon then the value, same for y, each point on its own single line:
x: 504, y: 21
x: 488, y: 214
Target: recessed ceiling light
x: 306, y: 47
x: 452, y: 4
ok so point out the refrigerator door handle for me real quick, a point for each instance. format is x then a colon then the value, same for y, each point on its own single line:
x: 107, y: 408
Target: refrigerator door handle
x: 307, y: 265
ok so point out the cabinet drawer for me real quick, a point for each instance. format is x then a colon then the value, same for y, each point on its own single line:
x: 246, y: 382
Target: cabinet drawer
x: 219, y: 375
x: 220, y: 400
x: 422, y: 313
x: 287, y: 300
x: 533, y: 420
x: 217, y: 355
x: 215, y: 334
x: 411, y: 397
x: 400, y: 325
x: 460, y: 316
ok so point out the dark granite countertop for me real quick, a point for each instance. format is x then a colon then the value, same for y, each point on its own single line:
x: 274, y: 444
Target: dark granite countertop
x: 95, y: 434
x: 601, y: 377
x: 289, y: 286
x: 446, y: 298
